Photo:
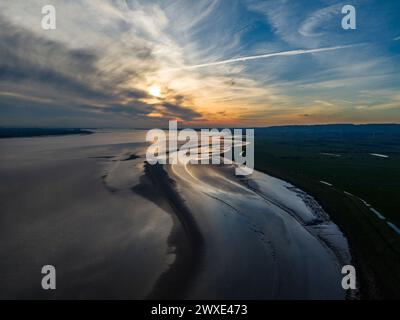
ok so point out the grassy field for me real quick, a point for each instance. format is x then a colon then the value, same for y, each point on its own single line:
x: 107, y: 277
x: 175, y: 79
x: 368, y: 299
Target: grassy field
x: 341, y: 156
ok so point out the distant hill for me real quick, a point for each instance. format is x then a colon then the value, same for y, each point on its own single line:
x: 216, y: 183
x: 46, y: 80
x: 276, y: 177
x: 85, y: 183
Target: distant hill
x: 337, y: 128
x: 36, y: 132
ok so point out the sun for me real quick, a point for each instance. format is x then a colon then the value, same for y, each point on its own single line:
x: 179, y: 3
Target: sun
x: 155, y: 91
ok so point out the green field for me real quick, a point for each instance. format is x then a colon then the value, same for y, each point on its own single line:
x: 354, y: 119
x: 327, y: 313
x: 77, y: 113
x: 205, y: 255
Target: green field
x: 340, y: 155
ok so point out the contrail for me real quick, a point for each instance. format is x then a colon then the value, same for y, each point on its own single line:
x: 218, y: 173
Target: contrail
x: 263, y: 56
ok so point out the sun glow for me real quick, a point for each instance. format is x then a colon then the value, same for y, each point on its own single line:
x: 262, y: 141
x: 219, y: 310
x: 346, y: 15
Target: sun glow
x: 155, y: 91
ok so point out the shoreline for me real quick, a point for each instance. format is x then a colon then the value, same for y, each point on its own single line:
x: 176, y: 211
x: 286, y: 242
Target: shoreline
x: 186, y: 239
x: 369, y: 270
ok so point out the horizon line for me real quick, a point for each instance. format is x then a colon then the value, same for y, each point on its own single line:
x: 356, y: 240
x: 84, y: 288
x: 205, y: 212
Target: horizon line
x: 246, y: 127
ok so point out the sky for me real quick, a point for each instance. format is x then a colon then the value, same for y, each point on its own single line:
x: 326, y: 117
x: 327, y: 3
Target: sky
x: 205, y: 63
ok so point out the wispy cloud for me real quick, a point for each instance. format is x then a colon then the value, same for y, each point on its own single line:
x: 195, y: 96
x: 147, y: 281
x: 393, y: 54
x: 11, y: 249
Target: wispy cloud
x: 318, y: 19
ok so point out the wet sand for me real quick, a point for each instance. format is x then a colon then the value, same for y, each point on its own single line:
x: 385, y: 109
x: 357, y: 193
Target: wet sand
x: 116, y: 227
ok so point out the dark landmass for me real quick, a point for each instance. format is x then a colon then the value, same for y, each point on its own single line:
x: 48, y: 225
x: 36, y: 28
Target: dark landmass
x: 341, y: 156
x: 336, y: 128
x: 38, y: 132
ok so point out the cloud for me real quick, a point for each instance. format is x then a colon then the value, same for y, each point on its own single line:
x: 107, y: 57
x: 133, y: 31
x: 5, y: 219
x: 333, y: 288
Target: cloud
x: 42, y: 71
x: 226, y: 61
x: 171, y: 110
x: 319, y: 20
